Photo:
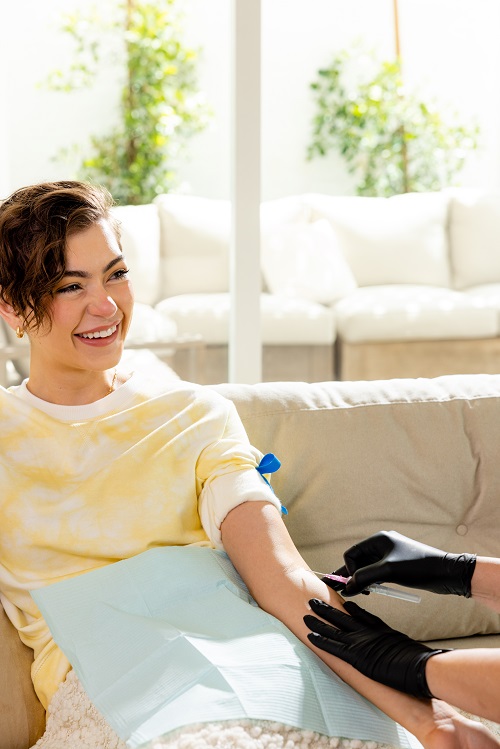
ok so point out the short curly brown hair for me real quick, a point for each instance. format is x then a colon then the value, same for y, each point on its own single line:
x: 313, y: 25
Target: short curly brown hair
x: 35, y: 223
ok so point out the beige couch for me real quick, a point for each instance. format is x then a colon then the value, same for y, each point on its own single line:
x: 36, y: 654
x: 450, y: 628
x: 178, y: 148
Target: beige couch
x: 419, y: 456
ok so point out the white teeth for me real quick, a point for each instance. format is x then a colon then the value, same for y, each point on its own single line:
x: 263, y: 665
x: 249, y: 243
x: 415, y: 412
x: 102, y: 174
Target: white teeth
x: 100, y: 333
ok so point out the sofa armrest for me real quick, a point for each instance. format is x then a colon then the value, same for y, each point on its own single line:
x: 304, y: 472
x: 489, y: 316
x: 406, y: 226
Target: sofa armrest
x: 22, y: 717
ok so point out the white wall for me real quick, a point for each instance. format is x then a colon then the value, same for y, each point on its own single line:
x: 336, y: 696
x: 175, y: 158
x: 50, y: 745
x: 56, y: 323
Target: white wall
x: 449, y: 47
x: 4, y: 162
x: 39, y: 122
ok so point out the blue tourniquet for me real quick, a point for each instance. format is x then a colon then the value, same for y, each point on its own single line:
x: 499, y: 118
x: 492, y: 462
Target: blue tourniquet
x: 270, y: 464
x: 171, y: 637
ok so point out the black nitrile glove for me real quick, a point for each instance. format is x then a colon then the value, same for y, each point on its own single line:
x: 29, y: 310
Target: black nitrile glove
x: 390, y: 557
x: 371, y: 646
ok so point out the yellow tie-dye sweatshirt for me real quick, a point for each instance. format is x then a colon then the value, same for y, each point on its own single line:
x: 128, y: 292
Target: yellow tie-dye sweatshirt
x: 85, y: 486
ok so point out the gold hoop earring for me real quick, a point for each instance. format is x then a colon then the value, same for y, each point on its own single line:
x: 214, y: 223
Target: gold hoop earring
x: 19, y: 332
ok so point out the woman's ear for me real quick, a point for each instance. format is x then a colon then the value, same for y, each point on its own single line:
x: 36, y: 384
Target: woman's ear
x: 12, y: 319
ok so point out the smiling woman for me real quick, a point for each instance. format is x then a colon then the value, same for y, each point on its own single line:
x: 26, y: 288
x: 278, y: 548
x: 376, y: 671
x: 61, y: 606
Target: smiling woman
x: 77, y: 319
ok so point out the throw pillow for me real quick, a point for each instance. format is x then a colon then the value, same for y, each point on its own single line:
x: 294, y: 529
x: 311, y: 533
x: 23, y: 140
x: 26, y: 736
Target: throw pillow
x: 304, y: 260
x: 401, y: 239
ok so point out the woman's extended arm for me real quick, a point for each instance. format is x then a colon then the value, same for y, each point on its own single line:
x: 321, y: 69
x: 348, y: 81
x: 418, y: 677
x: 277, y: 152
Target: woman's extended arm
x: 281, y: 582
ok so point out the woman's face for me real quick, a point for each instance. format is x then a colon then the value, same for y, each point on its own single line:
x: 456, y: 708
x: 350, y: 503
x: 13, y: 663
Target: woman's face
x: 91, y: 308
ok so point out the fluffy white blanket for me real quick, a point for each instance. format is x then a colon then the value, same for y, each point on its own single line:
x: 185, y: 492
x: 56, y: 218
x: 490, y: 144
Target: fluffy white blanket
x: 74, y: 723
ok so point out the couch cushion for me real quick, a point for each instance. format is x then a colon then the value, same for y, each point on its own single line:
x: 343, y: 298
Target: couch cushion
x: 22, y: 364
x: 22, y: 716
x: 401, y: 239
x: 140, y: 238
x: 194, y: 244
x: 417, y: 456
x: 281, y: 212
x: 406, y: 312
x: 304, y: 260
x: 474, y: 238
x: 149, y: 326
x: 195, y: 239
x: 284, y: 321
x: 488, y: 294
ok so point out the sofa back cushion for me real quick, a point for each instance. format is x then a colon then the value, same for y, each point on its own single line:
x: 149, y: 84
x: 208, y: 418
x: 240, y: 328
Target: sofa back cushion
x: 402, y: 239
x: 417, y: 456
x: 196, y: 235
x: 475, y: 238
x: 303, y: 260
x: 140, y: 239
x: 194, y: 244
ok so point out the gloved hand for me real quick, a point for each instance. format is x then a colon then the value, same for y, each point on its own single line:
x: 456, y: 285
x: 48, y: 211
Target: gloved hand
x: 388, y: 556
x: 371, y: 646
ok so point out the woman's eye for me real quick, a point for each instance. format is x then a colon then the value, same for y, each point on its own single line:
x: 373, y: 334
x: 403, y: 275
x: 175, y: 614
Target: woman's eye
x: 68, y: 289
x: 121, y: 273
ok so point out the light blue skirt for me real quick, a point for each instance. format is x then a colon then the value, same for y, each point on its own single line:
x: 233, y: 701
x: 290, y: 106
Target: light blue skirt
x: 172, y: 638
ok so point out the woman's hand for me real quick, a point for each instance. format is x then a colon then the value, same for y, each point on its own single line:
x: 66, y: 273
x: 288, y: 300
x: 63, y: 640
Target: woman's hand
x: 445, y: 728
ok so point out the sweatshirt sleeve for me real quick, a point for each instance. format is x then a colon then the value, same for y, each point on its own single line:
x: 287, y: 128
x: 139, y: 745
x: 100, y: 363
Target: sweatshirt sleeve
x: 227, y: 474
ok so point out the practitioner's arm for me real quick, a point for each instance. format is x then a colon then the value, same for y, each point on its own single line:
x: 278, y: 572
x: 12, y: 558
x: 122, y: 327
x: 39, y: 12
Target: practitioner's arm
x: 281, y: 582
x: 388, y: 556
x: 485, y: 584
x: 469, y: 679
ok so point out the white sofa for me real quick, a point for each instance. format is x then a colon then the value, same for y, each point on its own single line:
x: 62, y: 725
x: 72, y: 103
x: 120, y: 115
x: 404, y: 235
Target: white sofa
x: 353, y: 287
x: 427, y: 268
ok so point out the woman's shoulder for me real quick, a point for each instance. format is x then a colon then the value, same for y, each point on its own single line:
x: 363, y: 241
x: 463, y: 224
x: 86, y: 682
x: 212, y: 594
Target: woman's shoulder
x: 151, y: 386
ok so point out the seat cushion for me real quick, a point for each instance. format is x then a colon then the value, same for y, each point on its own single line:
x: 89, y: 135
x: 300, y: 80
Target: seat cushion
x: 284, y: 321
x: 406, y: 312
x: 474, y: 238
x: 149, y: 326
x: 488, y: 294
x: 401, y: 239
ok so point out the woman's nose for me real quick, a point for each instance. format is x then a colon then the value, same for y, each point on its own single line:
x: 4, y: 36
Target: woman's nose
x: 102, y: 305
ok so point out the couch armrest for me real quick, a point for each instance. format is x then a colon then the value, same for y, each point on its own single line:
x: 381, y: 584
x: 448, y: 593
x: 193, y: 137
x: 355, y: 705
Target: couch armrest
x: 22, y: 717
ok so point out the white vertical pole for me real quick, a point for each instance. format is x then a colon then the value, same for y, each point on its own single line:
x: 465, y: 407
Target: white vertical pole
x: 5, y: 187
x: 245, y: 350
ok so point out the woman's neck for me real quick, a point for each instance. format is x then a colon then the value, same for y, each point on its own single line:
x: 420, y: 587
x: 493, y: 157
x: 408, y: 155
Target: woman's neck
x: 75, y: 391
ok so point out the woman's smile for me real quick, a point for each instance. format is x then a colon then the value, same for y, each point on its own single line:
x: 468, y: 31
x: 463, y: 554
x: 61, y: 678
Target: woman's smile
x: 102, y: 336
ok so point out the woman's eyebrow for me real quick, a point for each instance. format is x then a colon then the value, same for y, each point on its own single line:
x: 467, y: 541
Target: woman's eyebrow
x: 85, y: 274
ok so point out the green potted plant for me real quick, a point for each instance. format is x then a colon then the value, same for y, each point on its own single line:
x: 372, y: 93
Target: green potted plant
x: 160, y: 106
x: 392, y: 140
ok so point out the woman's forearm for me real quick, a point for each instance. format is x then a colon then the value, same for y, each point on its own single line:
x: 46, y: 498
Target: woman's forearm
x: 281, y: 582
x: 485, y: 584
